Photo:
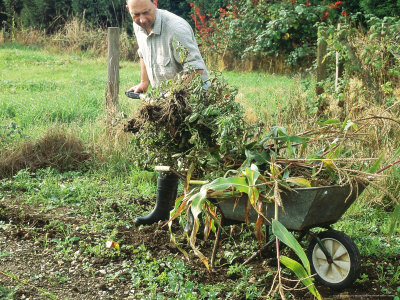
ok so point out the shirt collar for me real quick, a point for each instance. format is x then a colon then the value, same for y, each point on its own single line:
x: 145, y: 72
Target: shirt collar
x: 157, y: 23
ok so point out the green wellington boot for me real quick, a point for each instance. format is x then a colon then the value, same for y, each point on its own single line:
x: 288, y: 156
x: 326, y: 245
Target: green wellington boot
x: 167, y: 186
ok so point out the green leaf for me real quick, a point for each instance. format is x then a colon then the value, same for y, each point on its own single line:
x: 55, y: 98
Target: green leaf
x: 193, y: 117
x: 344, y: 124
x: 347, y: 124
x: 222, y: 183
x: 286, y: 237
x: 300, y: 273
x: 375, y: 166
x: 278, y: 130
x: 299, y: 181
x: 350, y: 124
x: 258, y: 157
x: 290, y: 149
x: 394, y: 219
x: 397, y: 153
x: 291, y: 138
x: 330, y: 121
x: 197, y: 202
x: 252, y: 174
x: 286, y: 174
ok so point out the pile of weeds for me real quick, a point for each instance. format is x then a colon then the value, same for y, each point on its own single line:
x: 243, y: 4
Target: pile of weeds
x: 181, y: 123
x: 54, y: 149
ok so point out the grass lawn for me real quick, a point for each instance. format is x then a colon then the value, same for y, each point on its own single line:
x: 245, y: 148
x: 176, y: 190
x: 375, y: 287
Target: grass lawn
x: 41, y: 90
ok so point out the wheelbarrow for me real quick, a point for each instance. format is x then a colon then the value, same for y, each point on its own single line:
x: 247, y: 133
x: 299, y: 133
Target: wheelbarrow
x: 334, y: 258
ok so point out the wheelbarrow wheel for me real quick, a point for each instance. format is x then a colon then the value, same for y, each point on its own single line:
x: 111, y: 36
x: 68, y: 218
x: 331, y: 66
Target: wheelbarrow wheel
x: 343, y: 268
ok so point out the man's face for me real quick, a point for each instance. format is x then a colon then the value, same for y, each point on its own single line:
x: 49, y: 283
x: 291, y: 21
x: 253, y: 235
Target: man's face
x: 143, y: 13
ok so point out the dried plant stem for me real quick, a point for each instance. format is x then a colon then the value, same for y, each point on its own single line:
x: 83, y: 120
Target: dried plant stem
x: 380, y: 117
x: 387, y: 167
x: 258, y: 252
x: 273, y: 288
x: 214, y: 252
x: 280, y: 287
x: 351, y: 159
x: 379, y: 187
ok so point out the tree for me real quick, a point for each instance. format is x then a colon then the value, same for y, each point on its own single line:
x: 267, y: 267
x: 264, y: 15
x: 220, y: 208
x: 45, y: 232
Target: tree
x: 9, y: 10
x: 101, y: 13
x: 381, y: 8
x: 210, y: 7
x: 45, y: 14
x: 178, y: 7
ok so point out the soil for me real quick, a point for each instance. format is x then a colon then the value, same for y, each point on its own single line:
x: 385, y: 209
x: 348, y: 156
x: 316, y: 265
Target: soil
x: 33, y: 270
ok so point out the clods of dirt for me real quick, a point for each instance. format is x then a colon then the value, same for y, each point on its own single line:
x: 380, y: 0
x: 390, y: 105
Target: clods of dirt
x: 33, y: 264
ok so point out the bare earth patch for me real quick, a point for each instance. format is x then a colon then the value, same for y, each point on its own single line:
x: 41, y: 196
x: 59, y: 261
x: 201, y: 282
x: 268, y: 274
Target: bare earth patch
x: 35, y: 266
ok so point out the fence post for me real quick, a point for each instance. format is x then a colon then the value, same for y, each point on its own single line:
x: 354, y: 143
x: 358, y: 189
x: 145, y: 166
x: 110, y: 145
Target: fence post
x: 339, y: 63
x: 321, y: 62
x: 112, y: 71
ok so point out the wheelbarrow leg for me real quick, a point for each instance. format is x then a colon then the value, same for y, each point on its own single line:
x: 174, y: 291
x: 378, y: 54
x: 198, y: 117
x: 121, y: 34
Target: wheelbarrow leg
x: 216, y: 243
x: 323, y: 248
x: 261, y: 250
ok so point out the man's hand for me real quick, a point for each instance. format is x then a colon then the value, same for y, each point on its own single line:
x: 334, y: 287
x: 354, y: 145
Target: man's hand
x: 140, y: 88
x: 144, y: 80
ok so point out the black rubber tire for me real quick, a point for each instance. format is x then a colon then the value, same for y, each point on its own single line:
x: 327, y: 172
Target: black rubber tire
x: 351, y: 260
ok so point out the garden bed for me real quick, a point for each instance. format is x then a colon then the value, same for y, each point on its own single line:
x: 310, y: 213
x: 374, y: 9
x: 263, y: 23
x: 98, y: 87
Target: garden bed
x: 33, y: 264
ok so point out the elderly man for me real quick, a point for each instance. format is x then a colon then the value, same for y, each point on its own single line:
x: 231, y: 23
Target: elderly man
x: 157, y: 33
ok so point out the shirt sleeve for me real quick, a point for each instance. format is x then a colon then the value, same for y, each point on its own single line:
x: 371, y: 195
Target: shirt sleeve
x: 185, y: 36
x: 139, y: 52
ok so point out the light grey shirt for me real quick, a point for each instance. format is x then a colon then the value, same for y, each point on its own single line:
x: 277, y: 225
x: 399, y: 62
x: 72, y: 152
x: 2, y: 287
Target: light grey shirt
x: 158, y: 49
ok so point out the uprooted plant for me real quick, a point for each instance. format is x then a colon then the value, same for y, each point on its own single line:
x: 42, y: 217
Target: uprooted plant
x: 183, y: 123
x: 281, y: 162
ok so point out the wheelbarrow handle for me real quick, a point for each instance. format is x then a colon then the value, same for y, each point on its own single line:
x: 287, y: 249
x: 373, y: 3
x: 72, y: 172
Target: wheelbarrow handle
x: 169, y: 169
x: 180, y: 175
x: 162, y: 168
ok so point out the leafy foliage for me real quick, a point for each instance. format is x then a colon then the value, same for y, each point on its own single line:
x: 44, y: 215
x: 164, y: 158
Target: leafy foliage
x: 51, y: 15
x: 373, y: 56
x: 301, y: 271
x: 101, y: 12
x: 180, y: 7
x: 210, y: 7
x: 262, y: 28
x: 45, y: 14
x: 381, y: 8
x: 185, y: 123
x: 266, y: 173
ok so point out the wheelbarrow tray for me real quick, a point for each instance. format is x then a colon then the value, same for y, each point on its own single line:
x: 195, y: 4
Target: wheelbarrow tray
x: 303, y: 208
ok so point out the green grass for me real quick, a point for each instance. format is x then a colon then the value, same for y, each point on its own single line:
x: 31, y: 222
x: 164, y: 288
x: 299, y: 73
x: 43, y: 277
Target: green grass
x: 39, y: 90
x: 368, y: 225
x: 4, y: 254
x: 6, y: 293
x: 266, y: 94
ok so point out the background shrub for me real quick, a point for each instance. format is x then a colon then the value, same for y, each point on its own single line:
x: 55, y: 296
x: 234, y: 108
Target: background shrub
x: 381, y: 8
x: 45, y: 14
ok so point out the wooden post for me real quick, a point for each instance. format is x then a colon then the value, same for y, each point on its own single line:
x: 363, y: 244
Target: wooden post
x: 339, y: 64
x: 112, y: 71
x: 321, y: 62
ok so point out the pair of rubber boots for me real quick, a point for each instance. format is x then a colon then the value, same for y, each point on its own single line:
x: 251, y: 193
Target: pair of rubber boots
x: 167, y: 186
